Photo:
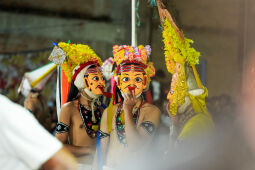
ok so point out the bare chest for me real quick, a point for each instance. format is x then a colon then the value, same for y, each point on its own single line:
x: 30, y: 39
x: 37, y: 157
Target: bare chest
x: 118, y: 134
x: 83, y: 128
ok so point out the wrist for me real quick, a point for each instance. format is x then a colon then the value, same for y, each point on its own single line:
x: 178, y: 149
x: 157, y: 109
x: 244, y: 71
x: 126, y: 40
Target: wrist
x: 127, y: 109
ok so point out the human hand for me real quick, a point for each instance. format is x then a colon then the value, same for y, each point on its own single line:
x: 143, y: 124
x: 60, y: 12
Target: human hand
x: 28, y: 104
x: 129, y: 100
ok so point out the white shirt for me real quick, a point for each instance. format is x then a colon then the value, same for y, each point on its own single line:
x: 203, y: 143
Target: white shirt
x: 24, y: 144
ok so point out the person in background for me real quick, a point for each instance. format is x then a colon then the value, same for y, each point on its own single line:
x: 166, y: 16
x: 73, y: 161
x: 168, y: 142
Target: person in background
x: 35, y: 103
x: 54, y: 116
x: 25, y: 144
x: 157, y: 87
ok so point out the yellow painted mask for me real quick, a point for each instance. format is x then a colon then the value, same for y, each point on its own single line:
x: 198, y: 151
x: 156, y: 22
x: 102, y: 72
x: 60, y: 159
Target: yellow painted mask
x: 131, y: 79
x: 177, y: 93
x: 94, y: 80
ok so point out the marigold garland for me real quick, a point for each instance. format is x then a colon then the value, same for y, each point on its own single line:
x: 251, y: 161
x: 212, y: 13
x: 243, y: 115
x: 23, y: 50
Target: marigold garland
x: 177, y: 50
x: 76, y: 54
x: 179, y: 87
x: 177, y: 53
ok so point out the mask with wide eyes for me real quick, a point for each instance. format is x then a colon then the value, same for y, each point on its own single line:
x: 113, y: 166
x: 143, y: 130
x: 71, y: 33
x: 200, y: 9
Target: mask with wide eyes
x: 138, y: 79
x: 96, y: 78
x: 95, y: 82
x: 125, y: 79
x: 128, y: 80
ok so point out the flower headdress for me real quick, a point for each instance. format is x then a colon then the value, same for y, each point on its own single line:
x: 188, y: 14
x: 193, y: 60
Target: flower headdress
x: 178, y: 55
x: 177, y: 50
x: 125, y: 54
x: 73, y: 58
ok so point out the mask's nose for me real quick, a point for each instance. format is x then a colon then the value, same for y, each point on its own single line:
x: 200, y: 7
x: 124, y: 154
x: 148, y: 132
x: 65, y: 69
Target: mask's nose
x: 101, y: 82
x: 132, y: 82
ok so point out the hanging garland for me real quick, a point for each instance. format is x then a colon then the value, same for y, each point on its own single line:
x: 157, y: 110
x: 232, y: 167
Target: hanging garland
x: 176, y: 49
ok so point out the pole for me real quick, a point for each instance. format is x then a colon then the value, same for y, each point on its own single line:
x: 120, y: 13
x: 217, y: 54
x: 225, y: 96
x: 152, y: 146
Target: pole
x: 133, y: 24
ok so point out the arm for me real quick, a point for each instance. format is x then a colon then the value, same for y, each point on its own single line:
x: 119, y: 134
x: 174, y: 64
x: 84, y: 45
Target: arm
x: 63, y: 133
x: 61, y: 160
x: 139, y: 135
x: 32, y: 146
x: 63, y: 125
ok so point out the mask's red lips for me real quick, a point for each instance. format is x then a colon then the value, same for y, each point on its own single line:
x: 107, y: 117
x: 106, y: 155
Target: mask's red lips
x: 108, y: 95
x: 131, y: 88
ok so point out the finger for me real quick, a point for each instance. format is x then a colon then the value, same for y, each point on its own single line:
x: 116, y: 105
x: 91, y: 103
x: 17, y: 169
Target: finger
x: 129, y: 93
x: 133, y: 92
x: 128, y: 96
x: 124, y: 96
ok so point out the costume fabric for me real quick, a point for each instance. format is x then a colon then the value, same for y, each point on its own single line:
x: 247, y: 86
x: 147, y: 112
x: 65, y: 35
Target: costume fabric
x: 24, y: 143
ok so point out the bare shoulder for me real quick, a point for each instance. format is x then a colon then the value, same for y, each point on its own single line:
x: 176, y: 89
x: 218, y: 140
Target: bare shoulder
x: 150, y: 108
x: 150, y: 113
x: 69, y: 107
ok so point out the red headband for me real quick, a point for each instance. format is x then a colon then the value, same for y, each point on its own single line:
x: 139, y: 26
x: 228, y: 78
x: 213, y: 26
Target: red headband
x: 82, y: 66
x: 126, y: 68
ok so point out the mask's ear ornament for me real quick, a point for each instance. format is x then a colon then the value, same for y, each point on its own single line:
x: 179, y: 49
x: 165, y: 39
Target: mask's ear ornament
x: 145, y: 81
x: 118, y: 82
x: 86, y: 82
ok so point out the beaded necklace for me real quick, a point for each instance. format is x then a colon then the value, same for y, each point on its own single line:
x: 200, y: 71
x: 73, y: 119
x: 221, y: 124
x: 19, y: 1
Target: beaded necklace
x: 120, y: 126
x: 86, y: 116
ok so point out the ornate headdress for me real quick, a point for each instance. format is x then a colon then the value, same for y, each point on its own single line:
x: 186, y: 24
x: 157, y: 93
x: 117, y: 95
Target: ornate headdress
x: 178, y: 55
x: 74, y: 59
x: 125, y: 54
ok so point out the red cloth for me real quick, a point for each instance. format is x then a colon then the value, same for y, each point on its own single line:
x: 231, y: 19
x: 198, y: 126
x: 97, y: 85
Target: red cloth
x: 148, y: 97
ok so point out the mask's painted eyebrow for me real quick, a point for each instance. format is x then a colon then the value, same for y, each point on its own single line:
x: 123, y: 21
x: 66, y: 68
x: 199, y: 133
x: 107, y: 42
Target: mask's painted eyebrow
x: 97, y: 74
x: 125, y: 74
x: 139, y: 74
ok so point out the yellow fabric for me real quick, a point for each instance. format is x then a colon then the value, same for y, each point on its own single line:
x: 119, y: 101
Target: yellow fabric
x: 198, y: 102
x: 109, y: 116
x: 199, y: 83
x: 200, y: 123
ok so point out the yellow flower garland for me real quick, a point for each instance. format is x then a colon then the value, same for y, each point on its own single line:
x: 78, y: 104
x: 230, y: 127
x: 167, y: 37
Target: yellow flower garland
x: 177, y: 50
x: 76, y: 54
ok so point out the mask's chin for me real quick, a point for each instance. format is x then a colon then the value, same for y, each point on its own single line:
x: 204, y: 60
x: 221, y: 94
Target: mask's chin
x: 90, y: 94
